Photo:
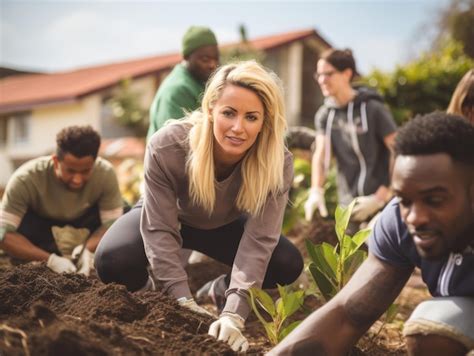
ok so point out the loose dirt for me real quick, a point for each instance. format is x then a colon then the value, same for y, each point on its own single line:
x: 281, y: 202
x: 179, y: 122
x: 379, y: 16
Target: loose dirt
x: 44, y: 313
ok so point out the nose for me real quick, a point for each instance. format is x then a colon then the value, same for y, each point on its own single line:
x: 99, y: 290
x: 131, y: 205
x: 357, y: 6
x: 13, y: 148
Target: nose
x: 416, y: 215
x: 77, y: 179
x: 213, y: 64
x: 323, y: 79
x: 238, y: 124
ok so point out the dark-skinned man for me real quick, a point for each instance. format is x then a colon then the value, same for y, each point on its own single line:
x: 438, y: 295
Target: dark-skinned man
x: 53, y: 205
x: 430, y: 224
x: 182, y: 89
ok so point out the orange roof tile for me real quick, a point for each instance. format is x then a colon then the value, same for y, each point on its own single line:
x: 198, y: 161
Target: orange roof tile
x: 23, y: 92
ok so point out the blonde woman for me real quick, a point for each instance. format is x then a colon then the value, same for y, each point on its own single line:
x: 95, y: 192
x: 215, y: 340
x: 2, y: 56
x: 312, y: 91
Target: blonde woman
x: 215, y: 182
x: 462, y: 101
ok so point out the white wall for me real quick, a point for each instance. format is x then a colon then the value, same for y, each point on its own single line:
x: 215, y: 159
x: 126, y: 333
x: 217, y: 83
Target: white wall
x: 294, y: 83
x: 45, y: 123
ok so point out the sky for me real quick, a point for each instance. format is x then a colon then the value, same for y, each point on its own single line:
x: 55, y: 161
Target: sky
x: 64, y: 35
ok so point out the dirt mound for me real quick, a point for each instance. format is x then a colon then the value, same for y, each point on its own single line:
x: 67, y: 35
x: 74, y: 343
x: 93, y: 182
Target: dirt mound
x: 44, y: 313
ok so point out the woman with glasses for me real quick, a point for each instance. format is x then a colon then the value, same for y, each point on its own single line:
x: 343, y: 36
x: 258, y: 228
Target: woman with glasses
x: 355, y: 126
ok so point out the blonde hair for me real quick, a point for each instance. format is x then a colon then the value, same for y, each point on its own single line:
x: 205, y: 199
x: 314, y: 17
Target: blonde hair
x: 263, y: 164
x: 465, y: 88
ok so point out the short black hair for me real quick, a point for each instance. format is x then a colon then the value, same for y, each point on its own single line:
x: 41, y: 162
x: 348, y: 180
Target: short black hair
x: 80, y: 141
x: 437, y: 132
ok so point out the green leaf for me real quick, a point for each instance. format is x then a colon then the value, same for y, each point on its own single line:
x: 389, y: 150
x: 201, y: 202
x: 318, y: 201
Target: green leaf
x: 322, y: 282
x: 325, y: 266
x: 360, y: 237
x: 352, y: 263
x: 343, y: 216
x: 391, y: 313
x: 311, y: 248
x: 284, y: 332
x: 347, y: 246
x: 331, y: 257
x: 265, y: 301
x: 292, y: 302
x: 271, y: 332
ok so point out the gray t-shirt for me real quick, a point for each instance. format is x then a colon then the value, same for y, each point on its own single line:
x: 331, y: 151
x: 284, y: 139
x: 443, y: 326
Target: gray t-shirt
x: 167, y: 204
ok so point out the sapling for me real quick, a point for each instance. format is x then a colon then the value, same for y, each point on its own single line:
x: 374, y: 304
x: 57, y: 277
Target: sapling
x: 332, y: 266
x: 279, y: 311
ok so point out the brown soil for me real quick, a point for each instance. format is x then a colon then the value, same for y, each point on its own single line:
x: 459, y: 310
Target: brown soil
x: 43, y: 313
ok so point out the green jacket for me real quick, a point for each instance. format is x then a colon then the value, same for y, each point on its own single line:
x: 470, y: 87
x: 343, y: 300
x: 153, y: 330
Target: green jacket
x: 179, y: 92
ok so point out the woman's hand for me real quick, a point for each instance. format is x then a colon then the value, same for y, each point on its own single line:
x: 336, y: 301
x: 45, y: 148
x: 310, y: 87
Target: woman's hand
x: 228, y: 328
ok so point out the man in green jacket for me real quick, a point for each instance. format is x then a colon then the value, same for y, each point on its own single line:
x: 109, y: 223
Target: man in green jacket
x: 181, y: 91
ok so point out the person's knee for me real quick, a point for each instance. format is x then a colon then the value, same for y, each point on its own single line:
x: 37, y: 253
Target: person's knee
x: 290, y: 263
x: 104, y: 262
x: 431, y: 344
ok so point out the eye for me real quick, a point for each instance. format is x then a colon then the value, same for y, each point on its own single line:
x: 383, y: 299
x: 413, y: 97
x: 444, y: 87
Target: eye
x: 252, y: 117
x: 228, y: 113
x: 435, y: 200
x: 404, y: 203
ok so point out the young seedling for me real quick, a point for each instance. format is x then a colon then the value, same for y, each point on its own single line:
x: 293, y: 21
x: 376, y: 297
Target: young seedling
x: 284, y: 307
x: 332, y: 267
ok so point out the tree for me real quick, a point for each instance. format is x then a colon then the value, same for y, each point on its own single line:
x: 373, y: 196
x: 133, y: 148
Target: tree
x: 126, y: 108
x: 456, y: 22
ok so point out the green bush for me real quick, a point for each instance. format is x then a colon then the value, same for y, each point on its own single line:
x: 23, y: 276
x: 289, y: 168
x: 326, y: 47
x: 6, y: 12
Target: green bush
x: 425, y: 84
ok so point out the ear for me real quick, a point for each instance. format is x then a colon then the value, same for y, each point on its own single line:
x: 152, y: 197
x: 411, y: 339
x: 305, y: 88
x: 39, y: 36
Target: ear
x: 55, y: 160
x: 348, y: 73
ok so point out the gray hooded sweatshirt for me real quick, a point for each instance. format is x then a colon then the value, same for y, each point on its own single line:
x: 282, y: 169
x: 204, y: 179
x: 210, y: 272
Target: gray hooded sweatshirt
x: 356, y: 135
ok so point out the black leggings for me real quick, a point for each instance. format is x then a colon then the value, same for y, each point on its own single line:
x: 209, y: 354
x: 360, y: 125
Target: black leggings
x: 120, y: 256
x: 38, y: 229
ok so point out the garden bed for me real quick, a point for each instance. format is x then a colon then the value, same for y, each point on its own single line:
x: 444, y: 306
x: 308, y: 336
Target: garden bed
x: 44, y: 313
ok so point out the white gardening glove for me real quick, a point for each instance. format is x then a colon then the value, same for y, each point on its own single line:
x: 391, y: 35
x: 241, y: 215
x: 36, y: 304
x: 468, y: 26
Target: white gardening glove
x: 191, y: 304
x: 315, y: 200
x: 228, y: 328
x: 86, y: 261
x: 365, y: 207
x: 60, y: 264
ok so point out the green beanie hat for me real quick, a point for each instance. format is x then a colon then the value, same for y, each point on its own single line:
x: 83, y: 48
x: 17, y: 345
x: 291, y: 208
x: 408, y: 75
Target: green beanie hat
x: 196, y: 37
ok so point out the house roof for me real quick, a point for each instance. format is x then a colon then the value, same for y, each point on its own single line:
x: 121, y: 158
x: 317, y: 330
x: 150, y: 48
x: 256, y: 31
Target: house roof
x: 26, y: 91
x: 123, y: 147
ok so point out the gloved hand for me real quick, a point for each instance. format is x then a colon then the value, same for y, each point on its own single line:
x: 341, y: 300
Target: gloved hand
x: 85, y: 261
x: 191, y: 304
x: 60, y: 264
x: 228, y: 328
x: 315, y: 200
x: 365, y: 207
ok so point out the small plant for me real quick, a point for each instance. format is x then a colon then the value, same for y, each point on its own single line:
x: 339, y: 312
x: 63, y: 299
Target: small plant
x: 332, y: 267
x: 284, y: 307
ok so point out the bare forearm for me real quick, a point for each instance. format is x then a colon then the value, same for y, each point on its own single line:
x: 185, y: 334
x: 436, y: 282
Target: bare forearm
x: 318, y: 175
x: 325, y: 332
x: 335, y: 328
x: 18, y: 246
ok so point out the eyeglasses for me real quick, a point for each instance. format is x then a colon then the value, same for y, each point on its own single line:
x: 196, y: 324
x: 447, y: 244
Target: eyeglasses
x: 328, y: 74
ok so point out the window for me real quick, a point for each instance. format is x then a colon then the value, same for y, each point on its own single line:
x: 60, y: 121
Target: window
x: 3, y: 130
x: 21, y: 127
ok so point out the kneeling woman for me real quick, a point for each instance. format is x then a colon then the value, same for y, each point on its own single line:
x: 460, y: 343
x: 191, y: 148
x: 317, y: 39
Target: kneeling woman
x: 216, y: 182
